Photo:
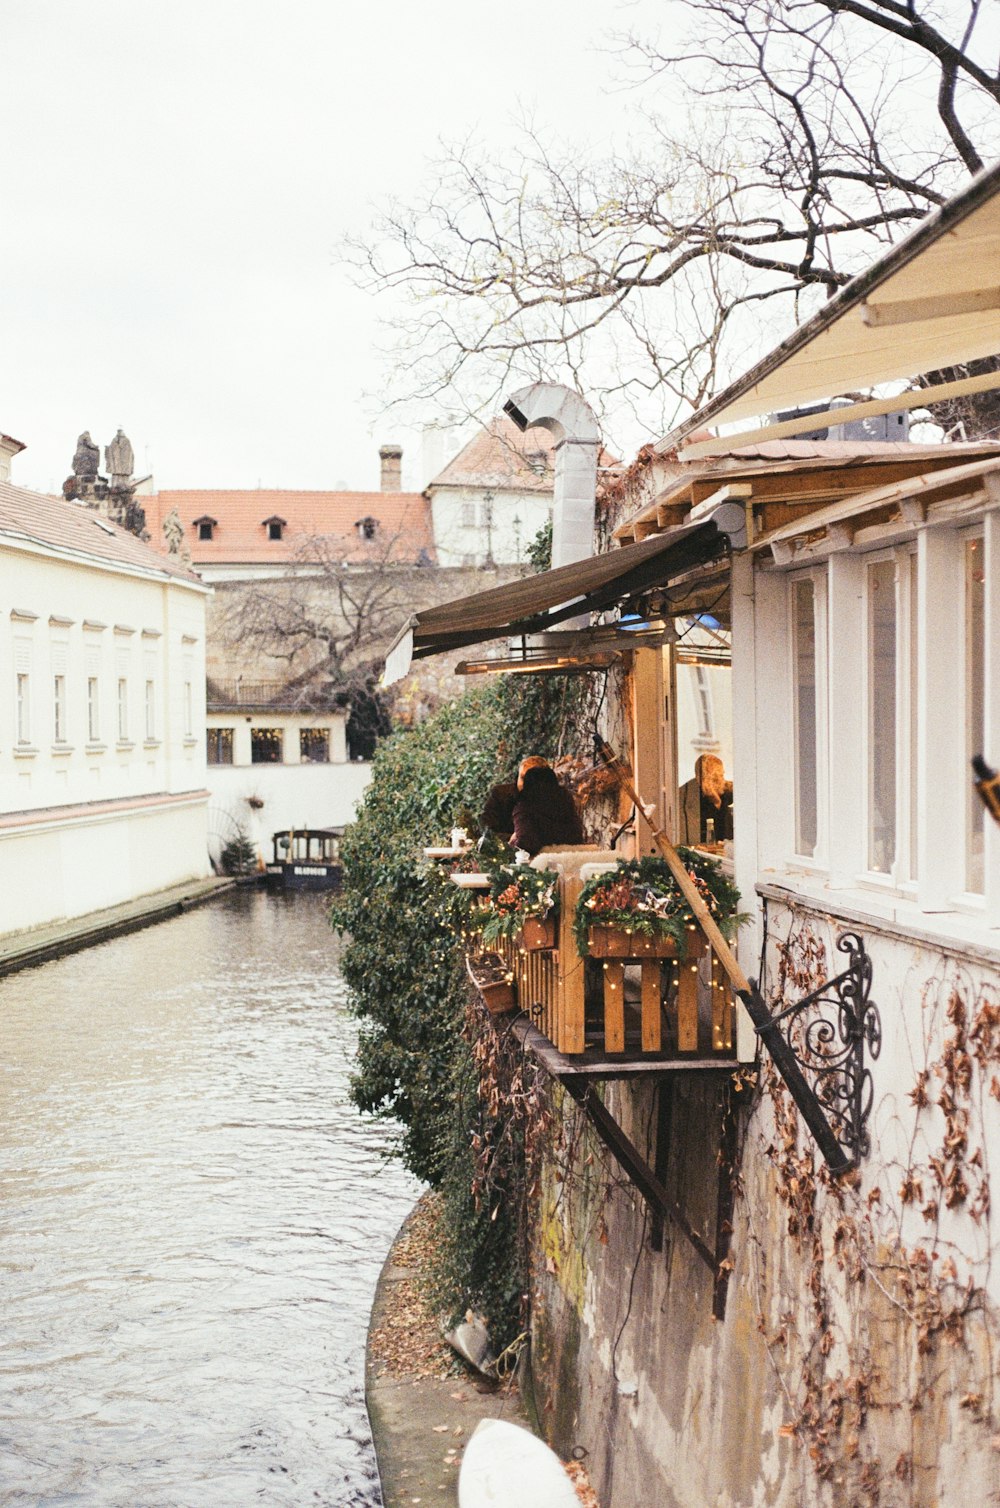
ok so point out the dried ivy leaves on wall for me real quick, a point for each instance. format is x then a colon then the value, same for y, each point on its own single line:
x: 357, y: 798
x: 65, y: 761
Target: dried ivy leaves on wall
x: 870, y: 1300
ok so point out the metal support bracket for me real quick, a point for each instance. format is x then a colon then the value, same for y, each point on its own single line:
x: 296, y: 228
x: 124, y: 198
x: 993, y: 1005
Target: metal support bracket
x: 830, y: 1046
x: 635, y: 1166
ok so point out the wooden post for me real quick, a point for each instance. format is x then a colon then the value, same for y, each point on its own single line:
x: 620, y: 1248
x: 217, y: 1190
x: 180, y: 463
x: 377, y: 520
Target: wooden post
x: 614, y: 1006
x: 722, y: 1031
x: 687, y: 1003
x: 651, y: 989
x: 647, y: 701
x: 570, y: 997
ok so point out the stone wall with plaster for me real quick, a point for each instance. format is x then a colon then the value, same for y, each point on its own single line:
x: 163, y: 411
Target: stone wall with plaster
x: 856, y: 1360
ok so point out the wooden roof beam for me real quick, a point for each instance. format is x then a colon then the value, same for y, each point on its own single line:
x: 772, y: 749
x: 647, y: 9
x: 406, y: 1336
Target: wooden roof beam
x: 787, y: 428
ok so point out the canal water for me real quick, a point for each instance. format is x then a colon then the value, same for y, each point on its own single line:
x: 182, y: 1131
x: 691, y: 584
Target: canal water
x: 192, y: 1220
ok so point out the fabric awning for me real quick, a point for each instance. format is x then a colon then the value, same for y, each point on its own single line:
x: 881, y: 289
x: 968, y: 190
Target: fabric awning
x: 537, y: 603
x: 932, y: 301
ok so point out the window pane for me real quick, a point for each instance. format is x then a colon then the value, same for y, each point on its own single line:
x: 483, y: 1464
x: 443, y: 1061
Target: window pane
x: 314, y: 745
x: 882, y: 716
x: 220, y: 745
x: 23, y: 710
x: 804, y: 624
x: 59, y: 708
x: 93, y: 708
x: 975, y: 700
x: 265, y: 745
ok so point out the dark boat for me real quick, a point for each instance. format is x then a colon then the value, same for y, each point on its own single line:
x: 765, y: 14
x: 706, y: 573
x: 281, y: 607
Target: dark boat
x: 306, y: 858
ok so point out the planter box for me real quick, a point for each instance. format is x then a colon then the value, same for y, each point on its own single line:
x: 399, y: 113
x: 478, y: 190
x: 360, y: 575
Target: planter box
x: 615, y: 942
x: 499, y: 997
x: 538, y: 934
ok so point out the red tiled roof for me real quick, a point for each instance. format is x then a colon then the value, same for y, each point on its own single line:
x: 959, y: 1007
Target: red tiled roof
x: 240, y: 536
x: 500, y: 455
x: 503, y: 456
x: 72, y: 526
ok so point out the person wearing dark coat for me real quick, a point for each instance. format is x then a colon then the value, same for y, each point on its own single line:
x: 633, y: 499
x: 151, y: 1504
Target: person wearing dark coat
x: 498, y: 813
x: 545, y: 814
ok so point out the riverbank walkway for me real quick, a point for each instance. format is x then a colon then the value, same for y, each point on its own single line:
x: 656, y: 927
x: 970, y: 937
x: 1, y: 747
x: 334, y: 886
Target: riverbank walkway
x: 422, y: 1406
x: 21, y: 950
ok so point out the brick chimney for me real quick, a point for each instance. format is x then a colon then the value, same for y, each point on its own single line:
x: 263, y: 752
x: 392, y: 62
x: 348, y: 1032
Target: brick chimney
x: 391, y: 457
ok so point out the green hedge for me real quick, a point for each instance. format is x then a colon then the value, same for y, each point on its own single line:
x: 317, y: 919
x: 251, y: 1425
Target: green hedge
x: 400, y: 960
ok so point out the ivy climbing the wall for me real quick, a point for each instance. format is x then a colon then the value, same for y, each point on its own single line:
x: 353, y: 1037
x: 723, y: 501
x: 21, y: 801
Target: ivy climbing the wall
x: 417, y: 1054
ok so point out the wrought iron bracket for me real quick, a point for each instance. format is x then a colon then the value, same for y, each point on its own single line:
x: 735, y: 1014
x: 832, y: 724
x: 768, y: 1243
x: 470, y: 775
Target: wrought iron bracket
x: 830, y: 1045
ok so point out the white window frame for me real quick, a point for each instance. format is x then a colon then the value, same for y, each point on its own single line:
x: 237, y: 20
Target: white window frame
x: 123, y: 726
x: 22, y: 694
x: 93, y: 709
x: 817, y: 860
x: 966, y: 537
x: 59, y: 729
x: 149, y: 705
x: 901, y: 876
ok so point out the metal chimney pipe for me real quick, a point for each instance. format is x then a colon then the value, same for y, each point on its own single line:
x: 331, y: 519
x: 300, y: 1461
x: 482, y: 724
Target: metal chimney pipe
x: 571, y: 420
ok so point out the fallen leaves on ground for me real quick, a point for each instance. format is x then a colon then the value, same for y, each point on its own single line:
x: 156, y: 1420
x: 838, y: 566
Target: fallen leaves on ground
x: 577, y: 1472
x: 407, y: 1341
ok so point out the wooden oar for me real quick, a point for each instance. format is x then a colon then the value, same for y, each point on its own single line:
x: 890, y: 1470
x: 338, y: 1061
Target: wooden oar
x: 769, y: 1032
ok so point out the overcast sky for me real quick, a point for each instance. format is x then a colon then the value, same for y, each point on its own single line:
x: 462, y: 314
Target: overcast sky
x: 176, y: 177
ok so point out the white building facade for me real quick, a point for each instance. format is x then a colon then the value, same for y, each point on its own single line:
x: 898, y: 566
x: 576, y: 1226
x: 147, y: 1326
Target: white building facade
x: 489, y: 503
x: 271, y: 770
x: 102, y: 752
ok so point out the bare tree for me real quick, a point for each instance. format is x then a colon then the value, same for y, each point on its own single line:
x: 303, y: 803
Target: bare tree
x: 816, y: 132
x: 324, y: 626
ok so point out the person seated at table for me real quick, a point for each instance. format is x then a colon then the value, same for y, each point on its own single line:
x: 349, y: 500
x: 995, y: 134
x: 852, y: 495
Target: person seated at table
x: 498, y: 813
x: 544, y: 814
x: 708, y: 798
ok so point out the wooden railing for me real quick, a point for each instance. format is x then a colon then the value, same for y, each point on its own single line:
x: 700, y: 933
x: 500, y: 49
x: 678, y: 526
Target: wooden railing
x: 628, y: 999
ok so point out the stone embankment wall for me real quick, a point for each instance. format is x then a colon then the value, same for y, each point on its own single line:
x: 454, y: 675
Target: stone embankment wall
x: 856, y: 1360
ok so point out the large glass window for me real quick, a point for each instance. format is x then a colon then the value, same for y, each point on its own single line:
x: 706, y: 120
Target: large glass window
x: 804, y: 669
x: 975, y: 701
x: 314, y: 745
x: 219, y: 745
x: 265, y: 745
x: 704, y: 749
x: 881, y: 597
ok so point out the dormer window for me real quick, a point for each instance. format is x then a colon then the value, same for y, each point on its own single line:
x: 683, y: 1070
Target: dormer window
x: 367, y: 527
x: 206, y: 526
x: 275, y: 527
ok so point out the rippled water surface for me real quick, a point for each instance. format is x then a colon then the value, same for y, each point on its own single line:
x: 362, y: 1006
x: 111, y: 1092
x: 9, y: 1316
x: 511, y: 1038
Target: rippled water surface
x: 192, y: 1220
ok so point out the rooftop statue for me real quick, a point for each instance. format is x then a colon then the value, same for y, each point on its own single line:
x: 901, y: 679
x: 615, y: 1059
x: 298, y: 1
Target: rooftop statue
x: 119, y: 460
x: 173, y: 532
x: 86, y: 458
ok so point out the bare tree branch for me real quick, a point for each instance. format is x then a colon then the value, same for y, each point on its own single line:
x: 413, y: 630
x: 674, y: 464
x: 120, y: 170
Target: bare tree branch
x: 817, y: 130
